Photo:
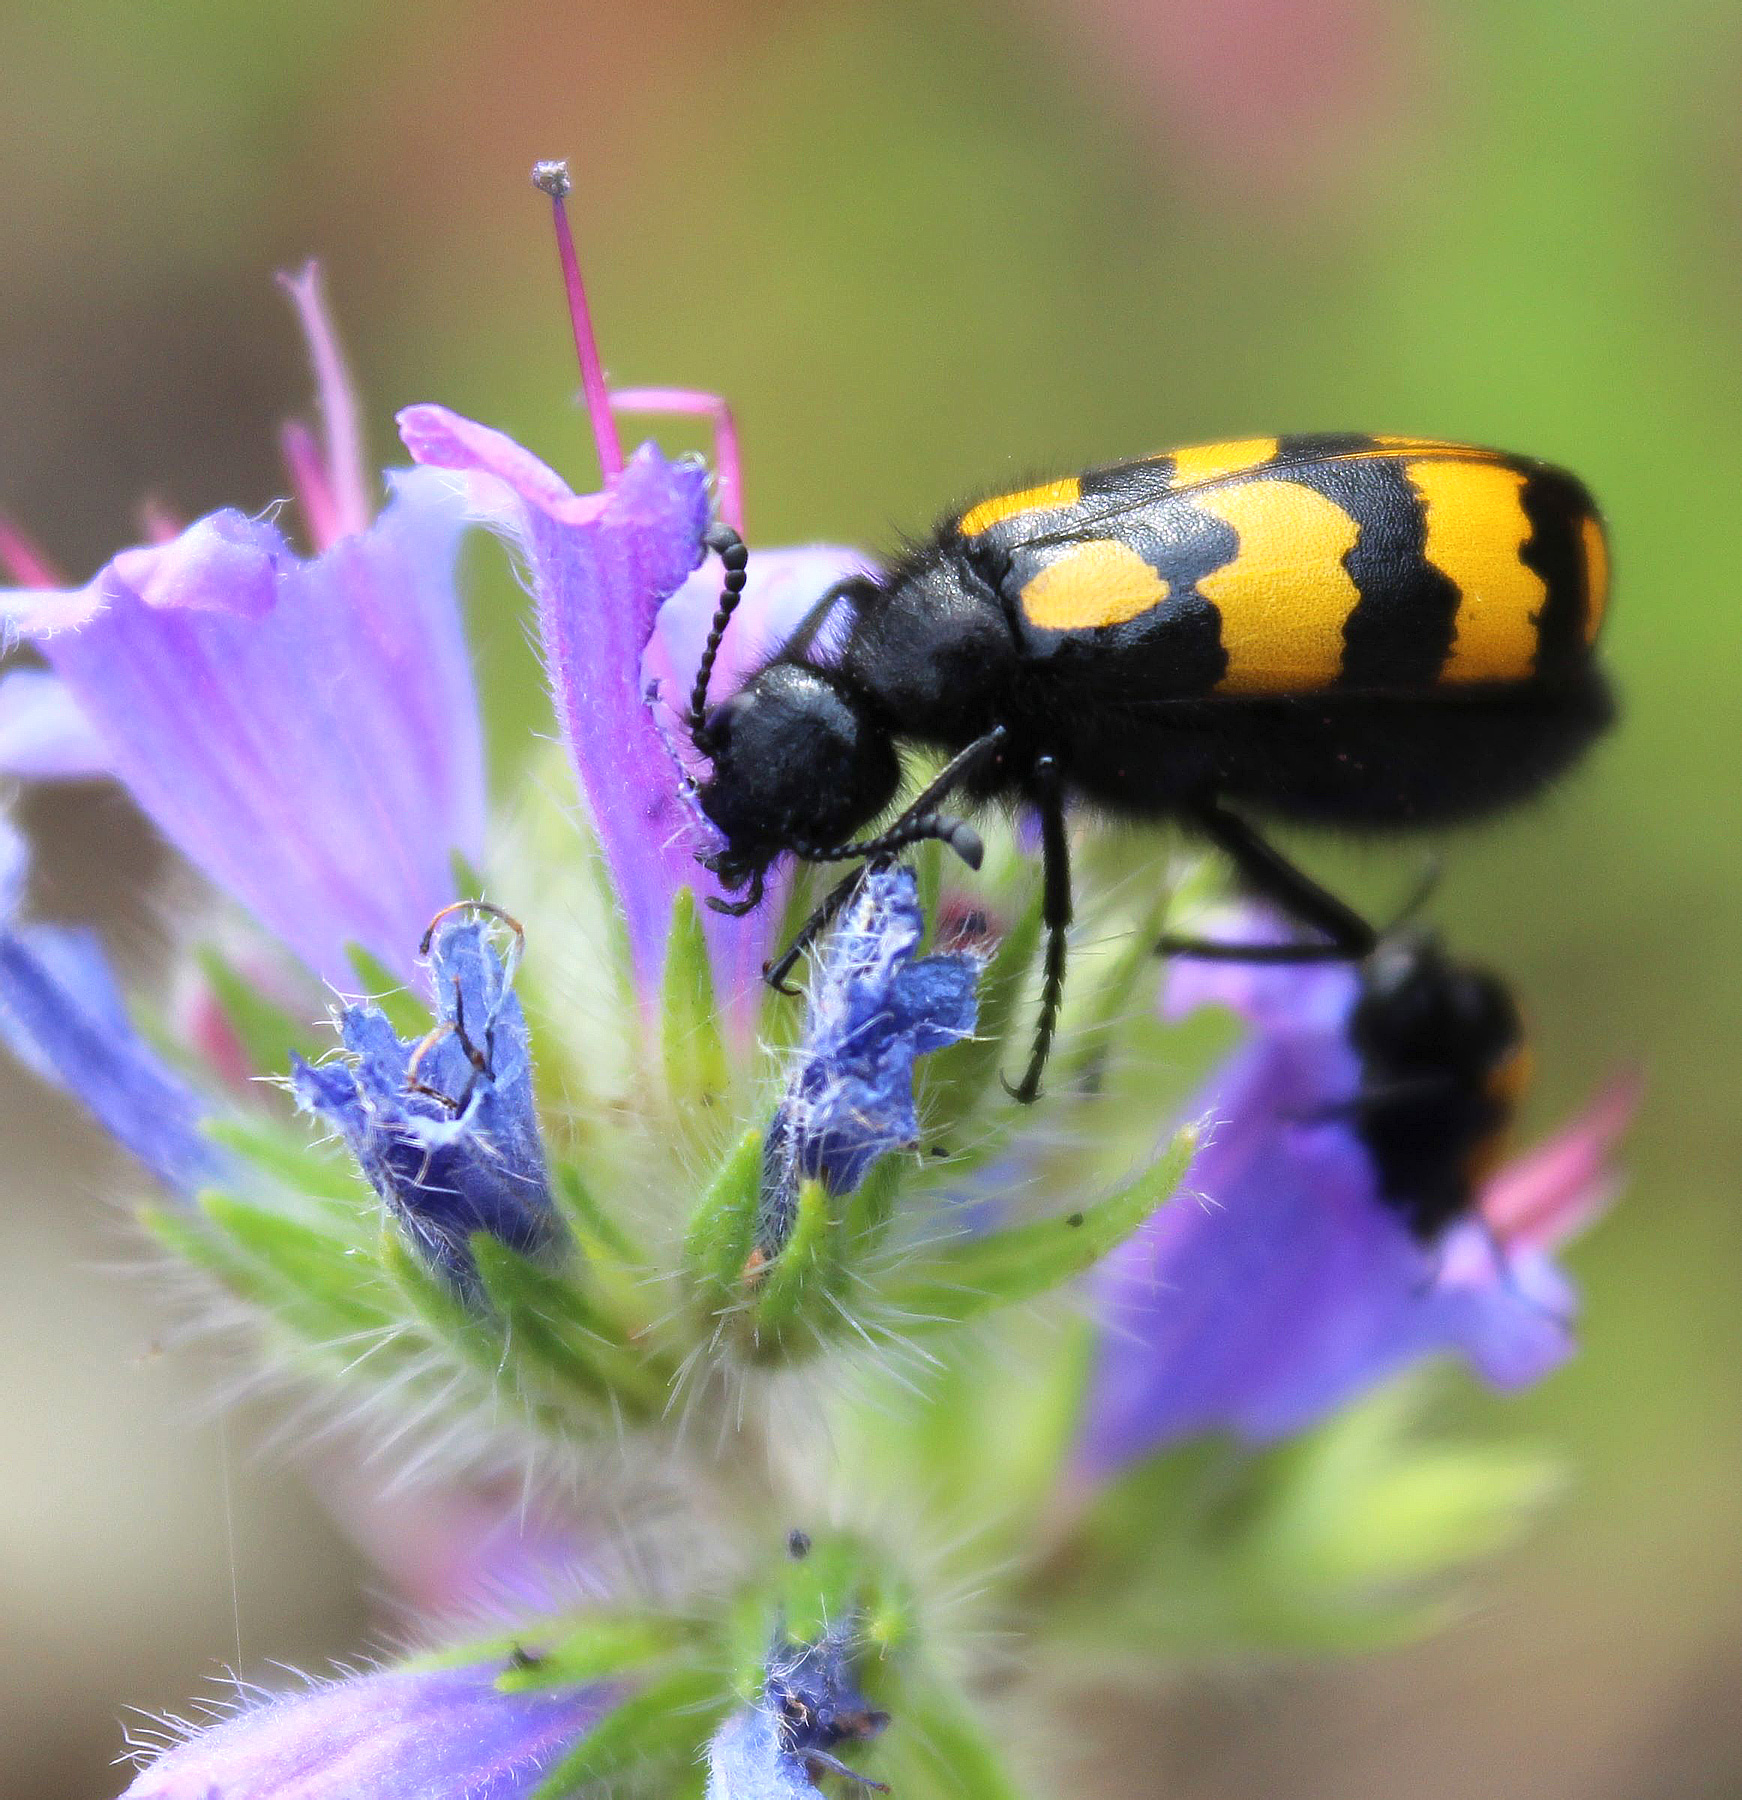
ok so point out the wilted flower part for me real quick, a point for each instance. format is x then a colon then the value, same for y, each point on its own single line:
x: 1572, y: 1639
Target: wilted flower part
x: 1277, y: 1285
x: 395, y: 1735
x: 874, y: 1011
x: 445, y: 1127
x: 304, y: 730
x: 63, y: 1017
x: 810, y: 1704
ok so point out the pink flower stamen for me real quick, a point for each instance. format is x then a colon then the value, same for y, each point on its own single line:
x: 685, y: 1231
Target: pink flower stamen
x: 157, y: 523
x: 308, y: 481
x: 1542, y: 1197
x: 552, y: 178
x: 23, y: 561
x: 342, y: 480
x: 692, y: 402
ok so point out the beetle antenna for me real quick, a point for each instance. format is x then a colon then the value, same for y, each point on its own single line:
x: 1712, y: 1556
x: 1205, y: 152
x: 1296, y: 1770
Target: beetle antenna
x: 729, y: 547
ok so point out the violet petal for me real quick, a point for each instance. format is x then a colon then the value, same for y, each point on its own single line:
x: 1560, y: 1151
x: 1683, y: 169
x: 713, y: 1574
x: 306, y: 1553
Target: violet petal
x: 304, y: 731
x: 395, y: 1735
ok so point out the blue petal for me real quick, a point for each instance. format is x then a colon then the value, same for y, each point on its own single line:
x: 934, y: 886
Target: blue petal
x: 62, y: 1016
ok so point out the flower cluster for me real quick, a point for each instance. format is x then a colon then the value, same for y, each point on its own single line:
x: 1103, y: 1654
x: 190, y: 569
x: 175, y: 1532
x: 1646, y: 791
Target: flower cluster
x: 573, y: 1189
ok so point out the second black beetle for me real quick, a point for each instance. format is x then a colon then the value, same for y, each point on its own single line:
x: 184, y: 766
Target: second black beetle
x: 1370, y: 633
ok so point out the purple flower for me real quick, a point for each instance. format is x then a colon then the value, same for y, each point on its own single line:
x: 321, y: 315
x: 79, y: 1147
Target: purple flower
x: 397, y: 1735
x: 601, y: 567
x: 445, y: 1128
x: 810, y: 1703
x: 62, y: 1016
x: 874, y: 1011
x: 1278, y: 1286
x: 303, y: 729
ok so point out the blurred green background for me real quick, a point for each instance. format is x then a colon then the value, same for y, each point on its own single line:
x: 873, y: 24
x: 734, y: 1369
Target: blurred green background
x: 925, y: 248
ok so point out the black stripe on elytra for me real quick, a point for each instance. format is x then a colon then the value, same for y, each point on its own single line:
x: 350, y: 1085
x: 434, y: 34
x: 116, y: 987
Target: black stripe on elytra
x: 1401, y: 629
x: 1111, y: 493
x: 1556, y: 507
x: 1318, y: 446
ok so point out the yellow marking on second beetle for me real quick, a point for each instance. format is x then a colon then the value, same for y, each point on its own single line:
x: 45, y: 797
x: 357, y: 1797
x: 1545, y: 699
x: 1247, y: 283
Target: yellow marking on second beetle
x: 1596, y: 574
x: 1476, y: 527
x: 1506, y: 1085
x: 1210, y: 462
x: 1064, y: 492
x: 1097, y: 583
x: 1286, y: 596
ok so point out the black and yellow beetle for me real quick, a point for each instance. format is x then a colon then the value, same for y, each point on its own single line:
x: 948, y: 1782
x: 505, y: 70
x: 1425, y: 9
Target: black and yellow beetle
x: 1366, y: 632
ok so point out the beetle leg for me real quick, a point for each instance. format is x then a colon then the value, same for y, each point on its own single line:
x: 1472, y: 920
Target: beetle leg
x: 1225, y: 950
x: 1366, y: 1101
x: 1276, y: 879
x: 736, y: 909
x: 1056, y: 915
x: 776, y: 972
x: 820, y: 1762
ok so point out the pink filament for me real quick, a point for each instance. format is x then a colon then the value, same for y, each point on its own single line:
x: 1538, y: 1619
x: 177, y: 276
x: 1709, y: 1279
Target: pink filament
x: 343, y: 479
x: 1540, y: 1198
x: 308, y: 481
x: 586, y: 346
x: 23, y: 561
x: 728, y: 469
x: 157, y: 522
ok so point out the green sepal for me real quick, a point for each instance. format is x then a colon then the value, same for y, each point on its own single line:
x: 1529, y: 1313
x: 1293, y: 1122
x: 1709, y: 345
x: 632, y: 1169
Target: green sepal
x: 669, y: 1719
x: 468, y: 877
x: 549, y: 1319
x: 602, y: 1645
x: 1336, y: 1542
x: 941, y: 1748
x: 285, y: 1155
x: 780, y: 1290
x: 320, y: 1287
x: 722, y: 1230
x: 1124, y: 991
x: 871, y: 1206
x: 971, y: 1276
x: 265, y: 1030
x: 407, y: 1014
x: 616, y: 1276
x: 474, y: 1338
x: 697, y: 1074
x: 927, y: 862
x: 841, y: 1576
x: 781, y: 1017
x: 585, y: 1216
